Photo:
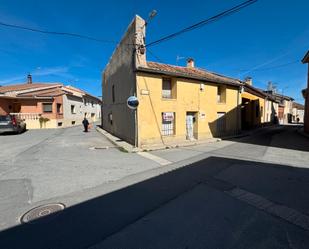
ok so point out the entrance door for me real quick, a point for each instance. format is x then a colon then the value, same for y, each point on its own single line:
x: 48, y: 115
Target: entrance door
x: 191, y: 125
x: 221, y: 124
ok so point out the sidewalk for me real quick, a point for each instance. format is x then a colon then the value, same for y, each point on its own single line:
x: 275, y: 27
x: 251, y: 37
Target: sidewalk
x: 126, y: 147
x: 129, y: 148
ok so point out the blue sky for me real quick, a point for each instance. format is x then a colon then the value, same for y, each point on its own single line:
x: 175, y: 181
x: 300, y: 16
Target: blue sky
x: 258, y: 41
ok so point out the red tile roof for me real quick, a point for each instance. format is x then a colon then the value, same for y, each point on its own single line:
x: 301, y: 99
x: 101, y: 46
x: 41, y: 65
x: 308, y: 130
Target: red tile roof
x: 21, y: 87
x: 298, y: 106
x: 53, y: 92
x: 188, y: 72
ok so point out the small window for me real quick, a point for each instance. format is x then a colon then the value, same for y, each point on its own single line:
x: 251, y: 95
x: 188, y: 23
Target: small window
x: 168, y: 123
x: 113, y: 93
x: 221, y: 94
x: 47, y: 107
x: 59, y: 124
x: 58, y: 108
x: 73, y: 111
x: 167, y: 88
x: 92, y: 115
x: 110, y: 118
x: 73, y: 122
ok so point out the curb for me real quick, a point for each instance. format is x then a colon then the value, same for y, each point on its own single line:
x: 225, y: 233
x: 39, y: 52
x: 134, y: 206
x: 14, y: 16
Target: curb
x: 120, y: 144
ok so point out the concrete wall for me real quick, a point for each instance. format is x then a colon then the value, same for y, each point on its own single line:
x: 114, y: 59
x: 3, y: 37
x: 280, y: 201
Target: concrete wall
x: 92, y: 108
x: 271, y: 111
x: 298, y: 113
x: 189, y: 98
x: 120, y: 75
x: 69, y: 118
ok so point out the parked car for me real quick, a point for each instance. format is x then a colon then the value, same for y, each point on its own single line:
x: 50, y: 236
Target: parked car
x: 11, y: 123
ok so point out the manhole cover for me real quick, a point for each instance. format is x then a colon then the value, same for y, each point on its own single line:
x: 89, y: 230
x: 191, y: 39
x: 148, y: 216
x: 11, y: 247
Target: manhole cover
x: 46, y: 212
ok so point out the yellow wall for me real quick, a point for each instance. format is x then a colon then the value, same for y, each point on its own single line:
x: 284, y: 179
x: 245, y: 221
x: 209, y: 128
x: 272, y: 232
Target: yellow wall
x: 255, y: 121
x: 189, y: 98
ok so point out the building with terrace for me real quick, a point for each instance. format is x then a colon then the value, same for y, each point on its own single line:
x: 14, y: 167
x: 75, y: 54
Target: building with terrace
x: 48, y: 105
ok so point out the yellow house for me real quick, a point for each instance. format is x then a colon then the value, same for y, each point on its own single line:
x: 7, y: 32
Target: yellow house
x: 176, y: 104
x: 257, y: 107
x: 185, y: 103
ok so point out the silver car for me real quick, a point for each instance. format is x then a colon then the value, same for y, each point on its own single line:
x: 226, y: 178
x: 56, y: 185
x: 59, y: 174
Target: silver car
x: 11, y: 123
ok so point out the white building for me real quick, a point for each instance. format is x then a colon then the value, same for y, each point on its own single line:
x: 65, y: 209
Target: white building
x: 298, y: 113
x: 79, y: 105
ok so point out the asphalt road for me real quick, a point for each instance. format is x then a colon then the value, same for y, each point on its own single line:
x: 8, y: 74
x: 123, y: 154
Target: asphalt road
x: 41, y: 165
x: 250, y: 192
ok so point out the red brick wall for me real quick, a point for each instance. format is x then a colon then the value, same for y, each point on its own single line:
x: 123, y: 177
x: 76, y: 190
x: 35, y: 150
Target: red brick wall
x: 4, y: 106
x: 31, y: 106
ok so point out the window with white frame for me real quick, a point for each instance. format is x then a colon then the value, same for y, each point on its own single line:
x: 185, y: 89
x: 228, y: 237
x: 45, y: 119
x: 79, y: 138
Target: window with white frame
x: 168, y: 88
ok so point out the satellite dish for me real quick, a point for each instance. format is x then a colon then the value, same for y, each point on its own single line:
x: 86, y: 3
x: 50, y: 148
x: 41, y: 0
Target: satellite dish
x: 132, y: 102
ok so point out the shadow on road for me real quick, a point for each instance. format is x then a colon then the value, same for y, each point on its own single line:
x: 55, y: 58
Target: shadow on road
x: 94, y: 220
x: 283, y: 136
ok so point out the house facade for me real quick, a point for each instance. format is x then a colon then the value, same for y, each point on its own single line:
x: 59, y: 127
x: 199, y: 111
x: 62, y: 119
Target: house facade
x: 176, y: 104
x: 305, y: 60
x: 252, y: 106
x: 285, y: 107
x: 46, y: 105
x: 298, y: 112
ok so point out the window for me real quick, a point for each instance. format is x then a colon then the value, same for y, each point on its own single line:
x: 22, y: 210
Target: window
x: 113, y: 93
x: 168, y: 89
x: 110, y: 118
x: 47, y: 107
x: 59, y: 124
x: 168, y: 123
x: 73, y: 122
x: 73, y: 111
x: 92, y: 115
x: 58, y: 108
x: 92, y: 103
x: 221, y: 92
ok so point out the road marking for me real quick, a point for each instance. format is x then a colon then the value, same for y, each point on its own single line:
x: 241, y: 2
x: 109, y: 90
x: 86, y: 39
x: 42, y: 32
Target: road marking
x: 289, y: 214
x: 154, y: 158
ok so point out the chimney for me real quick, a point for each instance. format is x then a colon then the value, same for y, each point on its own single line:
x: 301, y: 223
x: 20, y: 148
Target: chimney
x: 29, y: 79
x: 248, y: 80
x: 190, y: 62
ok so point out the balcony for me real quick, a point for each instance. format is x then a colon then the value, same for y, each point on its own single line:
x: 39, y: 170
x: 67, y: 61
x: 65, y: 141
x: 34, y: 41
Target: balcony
x: 27, y: 116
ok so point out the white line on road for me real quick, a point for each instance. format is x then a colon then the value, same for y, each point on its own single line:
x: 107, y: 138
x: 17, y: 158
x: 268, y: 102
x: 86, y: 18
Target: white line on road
x: 154, y: 158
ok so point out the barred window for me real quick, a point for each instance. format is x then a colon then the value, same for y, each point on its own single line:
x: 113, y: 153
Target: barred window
x: 168, y: 123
